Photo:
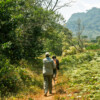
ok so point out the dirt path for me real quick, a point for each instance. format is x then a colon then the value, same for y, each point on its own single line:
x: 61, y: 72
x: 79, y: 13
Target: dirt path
x: 49, y: 96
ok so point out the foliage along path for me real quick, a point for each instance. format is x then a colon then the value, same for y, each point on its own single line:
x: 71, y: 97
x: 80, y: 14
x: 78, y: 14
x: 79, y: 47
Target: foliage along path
x: 62, y: 90
x: 57, y: 93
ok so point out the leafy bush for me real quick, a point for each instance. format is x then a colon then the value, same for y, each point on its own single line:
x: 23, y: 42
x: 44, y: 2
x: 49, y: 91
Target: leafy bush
x: 78, y: 58
x: 98, y: 53
x: 26, y: 76
x: 93, y: 47
x: 71, y: 51
x: 30, y: 78
x: 10, y: 81
x: 15, y: 79
x: 68, y: 60
x: 83, y: 79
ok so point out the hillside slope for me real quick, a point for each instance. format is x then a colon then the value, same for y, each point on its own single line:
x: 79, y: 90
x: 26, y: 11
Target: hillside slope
x: 90, y: 20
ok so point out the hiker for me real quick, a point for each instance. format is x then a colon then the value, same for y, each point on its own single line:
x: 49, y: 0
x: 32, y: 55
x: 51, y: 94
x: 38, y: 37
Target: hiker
x: 56, y: 61
x: 48, y: 66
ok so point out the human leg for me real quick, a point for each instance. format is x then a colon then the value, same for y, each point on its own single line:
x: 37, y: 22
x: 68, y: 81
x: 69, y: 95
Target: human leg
x: 54, y: 75
x: 50, y: 84
x: 45, y: 84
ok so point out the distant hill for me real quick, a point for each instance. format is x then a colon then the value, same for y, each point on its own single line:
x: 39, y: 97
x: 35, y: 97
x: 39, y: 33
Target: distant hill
x: 90, y: 20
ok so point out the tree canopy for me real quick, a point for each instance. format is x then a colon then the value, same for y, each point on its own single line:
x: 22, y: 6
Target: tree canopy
x: 25, y: 28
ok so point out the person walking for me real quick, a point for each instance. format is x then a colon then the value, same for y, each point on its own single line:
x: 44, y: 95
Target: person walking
x: 48, y: 66
x: 56, y: 61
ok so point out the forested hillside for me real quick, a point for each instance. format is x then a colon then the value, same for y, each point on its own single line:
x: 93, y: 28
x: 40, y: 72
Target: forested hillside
x: 90, y: 21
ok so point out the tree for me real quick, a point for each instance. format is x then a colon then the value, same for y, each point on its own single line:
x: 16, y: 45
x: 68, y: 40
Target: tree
x: 53, y: 42
x: 77, y: 41
x: 8, y: 23
x: 80, y: 29
x: 98, y: 39
x: 53, y: 5
x: 24, y: 26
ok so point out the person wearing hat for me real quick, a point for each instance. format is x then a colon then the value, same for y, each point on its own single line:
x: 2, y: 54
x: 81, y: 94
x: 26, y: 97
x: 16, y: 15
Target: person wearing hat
x: 48, y: 66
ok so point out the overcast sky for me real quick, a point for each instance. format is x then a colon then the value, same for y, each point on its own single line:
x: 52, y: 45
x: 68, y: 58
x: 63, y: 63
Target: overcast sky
x: 79, y: 6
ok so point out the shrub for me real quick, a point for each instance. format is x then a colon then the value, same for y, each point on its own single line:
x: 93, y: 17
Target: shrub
x: 70, y: 51
x: 26, y: 76
x: 83, y: 79
x: 73, y: 49
x: 68, y: 60
x: 78, y: 58
x: 98, y: 53
x: 14, y: 79
x: 10, y: 81
x: 64, y: 53
x: 93, y: 47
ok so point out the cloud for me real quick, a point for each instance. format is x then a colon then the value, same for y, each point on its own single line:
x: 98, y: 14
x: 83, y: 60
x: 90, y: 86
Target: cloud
x: 79, y: 6
x: 87, y: 4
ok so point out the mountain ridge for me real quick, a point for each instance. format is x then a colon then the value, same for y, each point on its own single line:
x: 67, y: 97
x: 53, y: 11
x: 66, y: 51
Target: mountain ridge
x: 90, y: 20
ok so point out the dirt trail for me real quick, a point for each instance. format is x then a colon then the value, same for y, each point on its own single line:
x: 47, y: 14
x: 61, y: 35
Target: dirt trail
x: 49, y: 96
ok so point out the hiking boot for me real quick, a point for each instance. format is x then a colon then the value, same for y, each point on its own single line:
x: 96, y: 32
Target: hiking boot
x: 45, y: 94
x: 50, y: 92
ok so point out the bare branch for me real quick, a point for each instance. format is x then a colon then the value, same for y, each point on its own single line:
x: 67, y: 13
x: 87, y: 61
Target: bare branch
x: 65, y: 5
x: 68, y: 4
x: 49, y: 4
x: 39, y: 2
x: 55, y: 5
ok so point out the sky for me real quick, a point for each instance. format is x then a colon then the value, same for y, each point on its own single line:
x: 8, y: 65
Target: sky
x: 78, y: 6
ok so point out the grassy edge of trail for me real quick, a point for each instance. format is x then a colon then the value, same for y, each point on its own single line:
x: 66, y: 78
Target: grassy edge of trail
x: 79, y: 77
x: 21, y: 79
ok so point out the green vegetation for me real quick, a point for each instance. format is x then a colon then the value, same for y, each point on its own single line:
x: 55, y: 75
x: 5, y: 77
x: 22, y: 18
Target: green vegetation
x: 29, y: 28
x: 93, y: 47
x: 90, y: 20
x: 14, y: 78
x: 25, y: 28
x: 80, y: 76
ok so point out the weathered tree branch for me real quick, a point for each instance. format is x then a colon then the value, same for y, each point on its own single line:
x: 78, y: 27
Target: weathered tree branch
x: 55, y: 5
x: 64, y: 5
x: 49, y: 4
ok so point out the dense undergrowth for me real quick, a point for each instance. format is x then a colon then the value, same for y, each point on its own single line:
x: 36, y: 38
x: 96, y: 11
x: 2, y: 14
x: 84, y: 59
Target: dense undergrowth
x: 80, y: 76
x: 23, y: 77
